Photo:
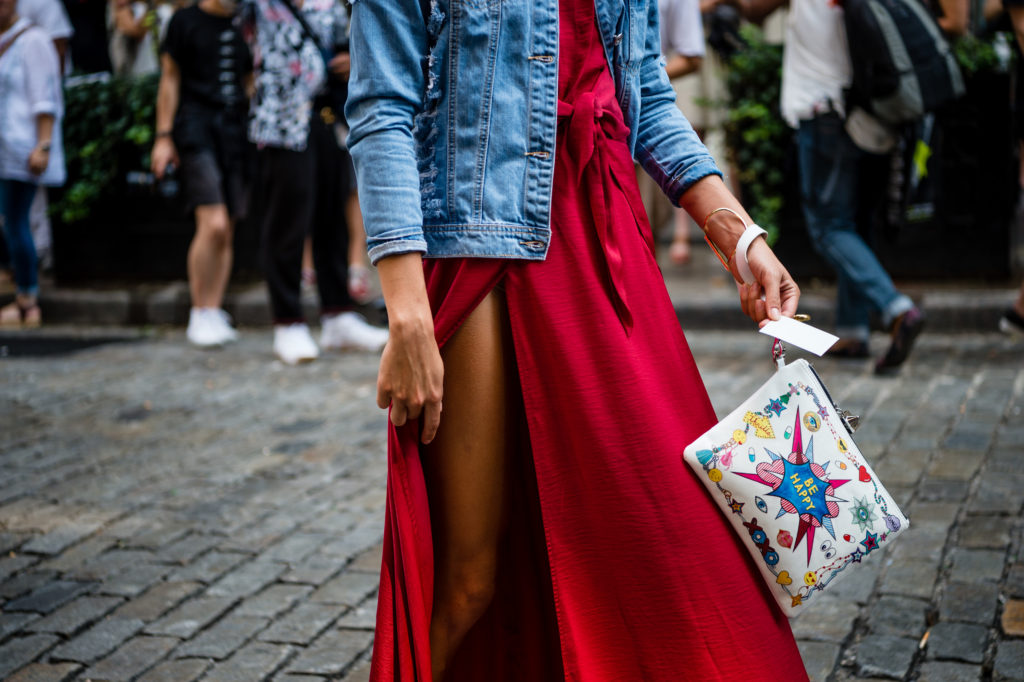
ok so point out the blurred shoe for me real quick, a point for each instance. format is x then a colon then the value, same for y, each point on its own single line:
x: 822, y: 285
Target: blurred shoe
x: 209, y: 328
x: 359, y: 283
x: 905, y: 330
x: 848, y: 349
x: 16, y: 316
x: 1011, y: 323
x: 351, y: 331
x: 293, y: 344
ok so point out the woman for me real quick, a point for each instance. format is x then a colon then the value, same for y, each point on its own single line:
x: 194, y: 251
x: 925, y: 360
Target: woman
x: 31, y: 153
x: 545, y: 527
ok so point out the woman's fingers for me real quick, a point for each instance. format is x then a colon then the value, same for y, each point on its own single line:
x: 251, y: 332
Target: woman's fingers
x: 431, y: 421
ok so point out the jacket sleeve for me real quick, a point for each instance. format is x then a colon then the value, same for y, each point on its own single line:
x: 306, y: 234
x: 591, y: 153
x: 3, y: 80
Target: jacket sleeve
x: 388, y: 44
x: 666, y: 145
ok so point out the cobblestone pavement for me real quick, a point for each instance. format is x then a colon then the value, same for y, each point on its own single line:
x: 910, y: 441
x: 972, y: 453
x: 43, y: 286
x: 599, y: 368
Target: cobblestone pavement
x: 169, y: 514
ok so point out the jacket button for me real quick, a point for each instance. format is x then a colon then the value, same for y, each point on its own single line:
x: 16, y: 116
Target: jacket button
x: 618, y: 38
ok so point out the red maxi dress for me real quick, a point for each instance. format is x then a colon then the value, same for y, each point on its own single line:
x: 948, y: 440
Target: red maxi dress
x: 616, y: 564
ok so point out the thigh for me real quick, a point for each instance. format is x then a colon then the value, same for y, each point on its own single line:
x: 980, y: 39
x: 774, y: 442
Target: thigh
x: 15, y: 206
x: 465, y: 464
x: 828, y: 174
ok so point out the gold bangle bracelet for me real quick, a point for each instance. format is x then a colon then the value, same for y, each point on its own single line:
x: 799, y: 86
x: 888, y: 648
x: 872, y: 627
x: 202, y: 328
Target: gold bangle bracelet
x: 722, y: 258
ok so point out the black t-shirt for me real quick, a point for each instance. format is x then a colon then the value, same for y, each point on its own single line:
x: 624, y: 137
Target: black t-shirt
x: 212, y: 58
x: 89, y: 41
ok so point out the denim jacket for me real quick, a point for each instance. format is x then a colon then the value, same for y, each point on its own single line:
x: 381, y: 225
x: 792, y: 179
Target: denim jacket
x: 453, y: 108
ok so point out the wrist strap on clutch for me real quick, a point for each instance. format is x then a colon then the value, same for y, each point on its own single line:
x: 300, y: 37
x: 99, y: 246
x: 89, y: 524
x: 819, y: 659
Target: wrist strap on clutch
x: 752, y: 232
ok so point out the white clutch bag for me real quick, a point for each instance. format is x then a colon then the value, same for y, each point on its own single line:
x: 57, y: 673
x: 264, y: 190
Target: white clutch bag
x: 785, y: 471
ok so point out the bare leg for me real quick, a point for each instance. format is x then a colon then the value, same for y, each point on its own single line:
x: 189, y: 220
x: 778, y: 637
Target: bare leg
x: 465, y: 469
x: 356, y: 231
x: 209, y: 256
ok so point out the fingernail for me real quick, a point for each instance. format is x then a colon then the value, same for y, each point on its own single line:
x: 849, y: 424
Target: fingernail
x: 774, y: 313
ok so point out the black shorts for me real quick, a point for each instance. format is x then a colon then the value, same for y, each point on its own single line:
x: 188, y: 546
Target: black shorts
x: 204, y: 182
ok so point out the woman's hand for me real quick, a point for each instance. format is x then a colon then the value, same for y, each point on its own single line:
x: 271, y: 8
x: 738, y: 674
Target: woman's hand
x: 774, y: 293
x: 411, y: 377
x: 38, y: 160
x: 163, y: 155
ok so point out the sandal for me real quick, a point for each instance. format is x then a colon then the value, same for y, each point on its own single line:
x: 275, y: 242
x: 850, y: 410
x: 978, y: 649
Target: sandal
x: 14, y: 316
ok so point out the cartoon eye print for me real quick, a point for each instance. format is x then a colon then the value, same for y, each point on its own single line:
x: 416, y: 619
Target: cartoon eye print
x: 761, y: 505
x: 827, y: 549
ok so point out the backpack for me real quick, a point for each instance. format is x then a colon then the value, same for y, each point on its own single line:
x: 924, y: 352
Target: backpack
x: 902, y: 65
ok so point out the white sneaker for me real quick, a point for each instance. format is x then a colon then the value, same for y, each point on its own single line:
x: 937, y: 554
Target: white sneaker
x: 209, y: 328
x: 351, y: 331
x: 293, y: 344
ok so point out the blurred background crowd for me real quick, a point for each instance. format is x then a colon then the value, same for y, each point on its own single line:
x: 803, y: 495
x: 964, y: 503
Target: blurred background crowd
x: 158, y: 139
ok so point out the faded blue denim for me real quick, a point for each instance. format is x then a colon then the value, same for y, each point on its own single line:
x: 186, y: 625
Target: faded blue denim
x: 454, y: 146
x: 828, y: 186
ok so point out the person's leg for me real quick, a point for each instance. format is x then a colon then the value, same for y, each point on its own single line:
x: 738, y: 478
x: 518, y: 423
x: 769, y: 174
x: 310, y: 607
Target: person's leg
x: 209, y: 256
x: 465, y: 471
x: 330, y: 227
x: 828, y: 180
x: 15, y: 206
x: 285, y: 187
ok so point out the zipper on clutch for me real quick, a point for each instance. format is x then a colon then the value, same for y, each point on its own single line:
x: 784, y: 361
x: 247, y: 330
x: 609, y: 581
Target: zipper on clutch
x: 849, y: 420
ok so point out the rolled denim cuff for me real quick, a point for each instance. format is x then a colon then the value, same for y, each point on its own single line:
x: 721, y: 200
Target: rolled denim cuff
x: 678, y: 186
x: 384, y: 247
x: 899, y: 305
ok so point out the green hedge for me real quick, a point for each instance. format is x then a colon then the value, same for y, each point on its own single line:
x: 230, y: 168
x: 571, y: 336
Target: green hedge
x: 108, y: 132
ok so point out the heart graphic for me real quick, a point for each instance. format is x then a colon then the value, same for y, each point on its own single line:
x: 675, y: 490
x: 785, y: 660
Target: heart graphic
x: 848, y: 538
x: 783, y: 578
x: 864, y: 475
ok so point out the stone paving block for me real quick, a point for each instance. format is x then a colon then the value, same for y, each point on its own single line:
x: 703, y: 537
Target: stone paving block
x: 254, y: 661
x: 20, y: 651
x: 958, y: 642
x: 12, y: 622
x: 819, y: 658
x: 922, y: 541
x: 975, y: 565
x: 111, y: 563
x: 332, y: 652
x: 939, y: 513
x: 45, y: 672
x: 10, y: 565
x: 360, y: 672
x: 910, y: 578
x: 997, y: 494
x: 190, y: 617
x: 68, y: 619
x: 223, y: 638
x: 294, y: 548
x: 302, y: 624
x: 894, y: 470
x: 135, y: 656
x: 181, y: 670
x: 209, y: 566
x: 943, y: 671
x: 364, y: 617
x: 1009, y: 662
x: 97, y: 641
x: 288, y: 677
x: 953, y: 465
x: 1014, y: 585
x: 885, y: 656
x: 369, y: 561
x: 26, y: 582
x: 79, y: 554
x: 985, y: 532
x: 187, y: 548
x: 60, y: 538
x: 898, y: 616
x: 1012, y: 620
x: 969, y: 438
x: 12, y: 541
x: 158, y: 536
x: 157, y: 600
x: 857, y: 585
x: 273, y: 601
x: 135, y: 579
x: 348, y: 588
x: 315, y: 570
x: 247, y: 579
x: 48, y: 597
x: 942, y: 490
x: 969, y: 602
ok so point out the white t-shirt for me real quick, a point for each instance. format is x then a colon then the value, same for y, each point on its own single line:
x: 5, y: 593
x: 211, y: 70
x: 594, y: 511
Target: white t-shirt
x: 816, y: 62
x: 48, y: 15
x: 682, y: 31
x: 29, y: 85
